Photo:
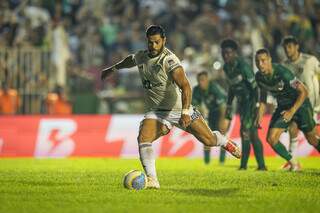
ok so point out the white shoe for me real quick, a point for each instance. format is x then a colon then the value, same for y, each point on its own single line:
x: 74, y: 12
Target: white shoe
x: 152, y: 183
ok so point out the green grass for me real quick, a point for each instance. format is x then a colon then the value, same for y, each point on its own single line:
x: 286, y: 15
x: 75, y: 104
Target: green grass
x: 95, y: 185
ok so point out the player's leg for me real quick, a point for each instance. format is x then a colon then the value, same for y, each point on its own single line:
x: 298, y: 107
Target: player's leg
x: 150, y: 130
x: 307, y: 125
x: 206, y: 154
x: 246, y: 120
x: 223, y: 128
x: 245, y: 147
x: 207, y: 149
x: 249, y: 117
x: 203, y: 133
x: 222, y: 156
x: 293, y: 135
x: 276, y: 128
x: 258, y: 149
x: 277, y: 146
x: 313, y: 139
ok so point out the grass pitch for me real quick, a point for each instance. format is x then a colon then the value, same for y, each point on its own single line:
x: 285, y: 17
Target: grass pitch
x: 95, y: 185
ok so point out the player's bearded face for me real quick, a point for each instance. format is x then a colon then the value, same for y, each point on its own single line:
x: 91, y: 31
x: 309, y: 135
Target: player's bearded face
x: 155, y: 44
x: 263, y: 62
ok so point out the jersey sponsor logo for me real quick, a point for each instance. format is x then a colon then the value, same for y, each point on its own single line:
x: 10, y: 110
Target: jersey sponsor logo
x: 276, y: 88
x: 170, y: 62
x: 149, y: 85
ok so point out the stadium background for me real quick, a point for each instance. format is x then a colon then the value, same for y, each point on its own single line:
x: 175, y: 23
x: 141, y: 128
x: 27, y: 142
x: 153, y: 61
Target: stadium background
x: 51, y: 54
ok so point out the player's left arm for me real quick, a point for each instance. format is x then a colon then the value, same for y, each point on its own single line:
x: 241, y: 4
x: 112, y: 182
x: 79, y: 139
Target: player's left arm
x: 180, y: 79
x: 302, y: 95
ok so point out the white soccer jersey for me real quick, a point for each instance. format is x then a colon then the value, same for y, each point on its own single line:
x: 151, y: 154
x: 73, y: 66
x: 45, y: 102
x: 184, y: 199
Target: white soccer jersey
x: 306, y: 68
x: 161, y: 93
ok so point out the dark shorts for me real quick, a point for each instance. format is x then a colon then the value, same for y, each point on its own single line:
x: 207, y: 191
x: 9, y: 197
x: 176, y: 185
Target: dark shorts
x: 303, y: 118
x: 248, y: 113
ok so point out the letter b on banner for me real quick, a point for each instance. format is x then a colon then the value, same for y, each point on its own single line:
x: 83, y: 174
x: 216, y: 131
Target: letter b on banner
x: 54, y: 138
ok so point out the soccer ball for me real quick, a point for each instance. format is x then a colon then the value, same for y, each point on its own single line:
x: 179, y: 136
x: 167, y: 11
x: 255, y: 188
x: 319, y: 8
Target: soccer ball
x: 135, y: 180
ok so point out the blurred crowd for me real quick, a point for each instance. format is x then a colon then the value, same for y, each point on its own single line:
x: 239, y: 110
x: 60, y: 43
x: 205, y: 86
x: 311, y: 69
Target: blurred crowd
x: 85, y: 35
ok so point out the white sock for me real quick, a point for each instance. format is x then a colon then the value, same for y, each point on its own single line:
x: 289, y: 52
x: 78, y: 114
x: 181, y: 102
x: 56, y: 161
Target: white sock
x: 221, y: 139
x: 147, y: 159
x: 293, y: 146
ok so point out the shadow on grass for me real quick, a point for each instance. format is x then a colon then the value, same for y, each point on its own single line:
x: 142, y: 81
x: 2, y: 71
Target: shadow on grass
x: 208, y: 192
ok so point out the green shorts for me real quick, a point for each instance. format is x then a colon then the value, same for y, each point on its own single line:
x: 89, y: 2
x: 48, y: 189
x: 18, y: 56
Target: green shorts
x: 303, y: 118
x: 248, y: 113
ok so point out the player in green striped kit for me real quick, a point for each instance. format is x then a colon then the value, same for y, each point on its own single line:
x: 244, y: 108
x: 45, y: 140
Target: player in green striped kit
x: 210, y: 100
x: 243, y: 86
x: 293, y: 105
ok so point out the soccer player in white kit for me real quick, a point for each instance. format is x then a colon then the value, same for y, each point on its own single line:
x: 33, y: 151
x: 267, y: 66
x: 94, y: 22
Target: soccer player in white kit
x: 306, y: 68
x: 167, y: 101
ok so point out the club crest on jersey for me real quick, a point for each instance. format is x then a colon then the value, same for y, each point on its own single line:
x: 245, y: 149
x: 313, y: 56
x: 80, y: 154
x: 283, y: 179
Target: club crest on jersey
x: 170, y: 62
x: 299, y: 71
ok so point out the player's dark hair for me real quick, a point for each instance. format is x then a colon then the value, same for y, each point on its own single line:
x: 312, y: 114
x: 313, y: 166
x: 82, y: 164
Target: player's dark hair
x: 229, y: 43
x: 289, y: 40
x: 155, y: 30
x: 263, y: 51
x: 205, y: 73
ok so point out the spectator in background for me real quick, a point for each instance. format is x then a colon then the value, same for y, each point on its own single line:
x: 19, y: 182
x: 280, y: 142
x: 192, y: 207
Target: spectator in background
x: 60, y: 52
x: 190, y: 66
x: 9, y: 100
x: 57, y: 103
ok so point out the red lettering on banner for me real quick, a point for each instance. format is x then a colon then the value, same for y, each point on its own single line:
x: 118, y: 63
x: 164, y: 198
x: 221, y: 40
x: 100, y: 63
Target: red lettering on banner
x: 18, y: 135
x: 105, y: 136
x: 55, y: 137
x: 177, y: 143
x: 91, y: 138
x: 1, y: 144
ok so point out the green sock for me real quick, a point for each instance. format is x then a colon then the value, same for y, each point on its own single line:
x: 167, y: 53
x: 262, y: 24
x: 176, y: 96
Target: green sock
x: 222, y: 156
x: 281, y: 150
x: 258, y: 150
x: 245, y: 153
x: 207, y: 152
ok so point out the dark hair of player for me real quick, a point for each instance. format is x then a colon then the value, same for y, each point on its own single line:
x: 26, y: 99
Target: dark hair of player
x: 289, y: 40
x: 155, y: 30
x: 263, y: 51
x: 205, y: 73
x: 229, y: 43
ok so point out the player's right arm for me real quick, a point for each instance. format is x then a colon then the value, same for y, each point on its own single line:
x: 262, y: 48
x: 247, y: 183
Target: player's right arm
x: 128, y: 62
